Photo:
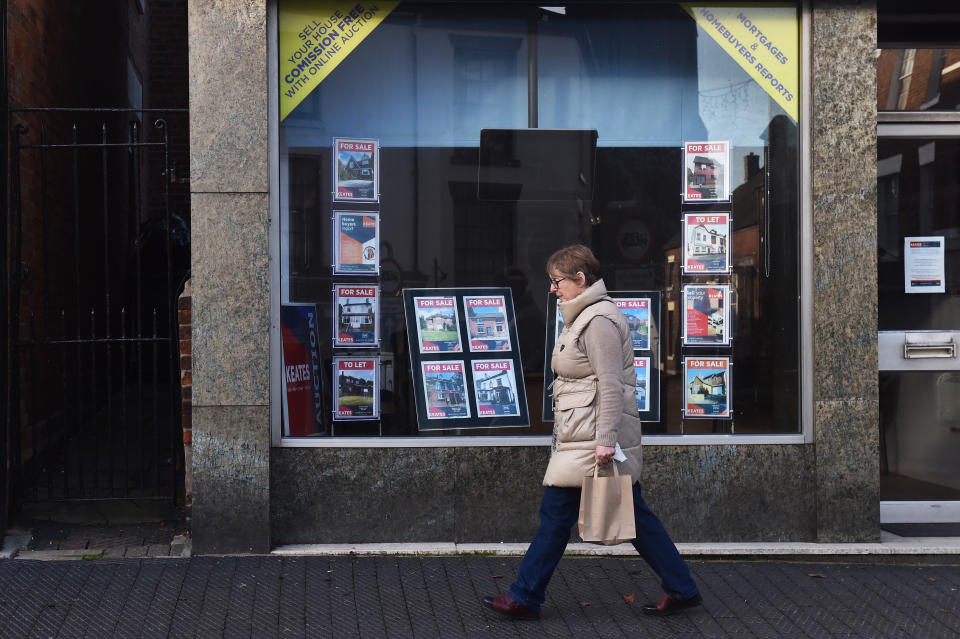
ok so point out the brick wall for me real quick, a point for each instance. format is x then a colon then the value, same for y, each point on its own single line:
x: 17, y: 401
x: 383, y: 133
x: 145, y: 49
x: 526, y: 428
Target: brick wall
x: 184, y: 321
x: 168, y: 69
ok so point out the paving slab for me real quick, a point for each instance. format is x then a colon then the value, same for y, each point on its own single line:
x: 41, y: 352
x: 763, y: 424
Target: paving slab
x: 98, y: 532
x: 411, y: 595
x: 66, y: 553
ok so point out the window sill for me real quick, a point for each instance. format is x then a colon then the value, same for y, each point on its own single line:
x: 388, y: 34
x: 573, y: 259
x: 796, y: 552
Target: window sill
x: 525, y: 440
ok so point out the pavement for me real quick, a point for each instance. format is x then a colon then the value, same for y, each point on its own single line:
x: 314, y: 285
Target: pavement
x: 439, y: 596
x: 98, y: 578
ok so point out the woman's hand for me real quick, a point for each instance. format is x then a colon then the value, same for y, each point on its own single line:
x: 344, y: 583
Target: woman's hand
x: 604, y: 454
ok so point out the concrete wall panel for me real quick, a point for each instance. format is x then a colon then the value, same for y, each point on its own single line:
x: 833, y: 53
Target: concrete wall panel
x: 228, y: 95
x: 231, y: 475
x: 844, y: 157
x: 231, y: 300
x: 492, y: 494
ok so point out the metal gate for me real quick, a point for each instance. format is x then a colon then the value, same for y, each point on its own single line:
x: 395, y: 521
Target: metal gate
x: 97, y: 258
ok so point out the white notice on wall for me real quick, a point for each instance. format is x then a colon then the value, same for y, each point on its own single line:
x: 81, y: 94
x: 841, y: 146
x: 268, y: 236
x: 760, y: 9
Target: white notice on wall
x: 923, y: 270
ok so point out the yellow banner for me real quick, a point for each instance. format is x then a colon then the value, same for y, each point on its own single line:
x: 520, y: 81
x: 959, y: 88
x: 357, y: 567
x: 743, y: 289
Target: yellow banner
x: 764, y: 40
x: 315, y: 37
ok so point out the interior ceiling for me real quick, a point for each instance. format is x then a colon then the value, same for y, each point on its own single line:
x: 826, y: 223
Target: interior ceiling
x: 918, y: 23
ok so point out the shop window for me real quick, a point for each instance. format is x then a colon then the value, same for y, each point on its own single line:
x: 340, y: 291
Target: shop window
x: 639, y: 80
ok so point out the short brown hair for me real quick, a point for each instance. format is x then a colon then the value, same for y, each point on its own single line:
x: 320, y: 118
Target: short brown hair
x: 570, y: 260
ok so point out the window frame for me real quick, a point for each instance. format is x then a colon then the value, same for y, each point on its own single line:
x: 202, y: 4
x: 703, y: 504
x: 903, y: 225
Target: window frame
x: 805, y: 418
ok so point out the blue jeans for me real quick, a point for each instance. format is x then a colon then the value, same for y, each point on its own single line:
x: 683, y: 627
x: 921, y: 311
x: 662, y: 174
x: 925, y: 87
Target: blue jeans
x: 559, y: 511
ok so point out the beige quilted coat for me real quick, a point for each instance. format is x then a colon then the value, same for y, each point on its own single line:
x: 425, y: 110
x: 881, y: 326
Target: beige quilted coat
x: 576, y: 397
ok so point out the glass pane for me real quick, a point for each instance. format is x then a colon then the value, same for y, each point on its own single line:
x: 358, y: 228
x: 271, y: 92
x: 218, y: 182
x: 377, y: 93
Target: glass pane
x: 918, y: 79
x: 647, y: 80
x: 422, y: 79
x: 918, y: 194
x: 920, y: 436
x: 454, y: 69
x: 602, y: 70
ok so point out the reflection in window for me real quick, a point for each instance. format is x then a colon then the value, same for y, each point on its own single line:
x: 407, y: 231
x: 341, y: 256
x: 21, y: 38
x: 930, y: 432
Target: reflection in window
x: 918, y: 79
x: 486, y: 70
x: 918, y: 194
x: 646, y: 78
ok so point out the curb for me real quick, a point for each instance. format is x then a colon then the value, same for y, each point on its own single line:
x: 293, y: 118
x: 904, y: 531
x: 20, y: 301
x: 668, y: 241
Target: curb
x: 913, y: 548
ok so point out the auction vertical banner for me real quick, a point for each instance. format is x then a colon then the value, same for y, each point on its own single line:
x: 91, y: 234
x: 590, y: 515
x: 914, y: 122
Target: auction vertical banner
x: 315, y: 37
x: 302, y: 377
x: 763, y: 38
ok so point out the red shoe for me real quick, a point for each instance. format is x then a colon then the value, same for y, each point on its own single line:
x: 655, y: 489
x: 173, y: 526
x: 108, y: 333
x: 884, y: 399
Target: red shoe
x: 668, y: 605
x: 505, y: 604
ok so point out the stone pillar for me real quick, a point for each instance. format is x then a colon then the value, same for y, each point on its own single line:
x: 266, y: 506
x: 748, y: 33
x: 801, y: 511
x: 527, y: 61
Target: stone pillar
x: 231, y: 311
x: 844, y: 161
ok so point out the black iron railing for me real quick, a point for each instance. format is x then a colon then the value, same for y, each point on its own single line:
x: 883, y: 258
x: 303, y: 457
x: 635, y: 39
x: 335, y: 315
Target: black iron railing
x: 98, y: 255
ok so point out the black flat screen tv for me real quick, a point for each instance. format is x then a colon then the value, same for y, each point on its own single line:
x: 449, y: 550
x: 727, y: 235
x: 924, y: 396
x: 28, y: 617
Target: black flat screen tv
x: 536, y: 164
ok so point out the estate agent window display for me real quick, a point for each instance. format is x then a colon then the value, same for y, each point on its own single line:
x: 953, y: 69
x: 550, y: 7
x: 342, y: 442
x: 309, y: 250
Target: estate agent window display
x: 465, y: 357
x: 476, y: 185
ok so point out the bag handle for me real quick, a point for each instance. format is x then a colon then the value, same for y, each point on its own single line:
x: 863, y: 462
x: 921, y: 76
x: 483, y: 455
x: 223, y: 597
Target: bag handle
x: 616, y: 473
x: 596, y: 469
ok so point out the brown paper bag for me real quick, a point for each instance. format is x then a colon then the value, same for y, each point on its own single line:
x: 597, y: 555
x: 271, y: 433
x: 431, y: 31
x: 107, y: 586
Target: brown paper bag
x: 606, y: 508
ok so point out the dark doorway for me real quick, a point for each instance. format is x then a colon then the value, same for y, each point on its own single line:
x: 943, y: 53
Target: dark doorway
x: 98, y: 257
x: 97, y: 248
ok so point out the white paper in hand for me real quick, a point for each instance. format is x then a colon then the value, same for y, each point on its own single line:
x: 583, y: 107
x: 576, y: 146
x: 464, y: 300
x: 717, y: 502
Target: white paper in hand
x: 618, y: 454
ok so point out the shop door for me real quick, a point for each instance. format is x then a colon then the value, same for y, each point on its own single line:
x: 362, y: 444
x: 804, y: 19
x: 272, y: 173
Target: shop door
x: 918, y: 263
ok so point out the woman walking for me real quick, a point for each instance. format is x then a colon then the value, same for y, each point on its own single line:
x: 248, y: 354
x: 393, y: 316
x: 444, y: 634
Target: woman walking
x: 595, y: 409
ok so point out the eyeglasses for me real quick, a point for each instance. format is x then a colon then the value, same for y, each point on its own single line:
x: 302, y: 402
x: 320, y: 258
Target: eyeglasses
x: 556, y: 283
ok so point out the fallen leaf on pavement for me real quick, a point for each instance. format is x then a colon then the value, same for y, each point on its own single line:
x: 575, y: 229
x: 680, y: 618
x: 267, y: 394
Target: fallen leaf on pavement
x: 496, y: 576
x: 816, y: 575
x: 931, y: 579
x: 628, y: 598
x: 584, y: 604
